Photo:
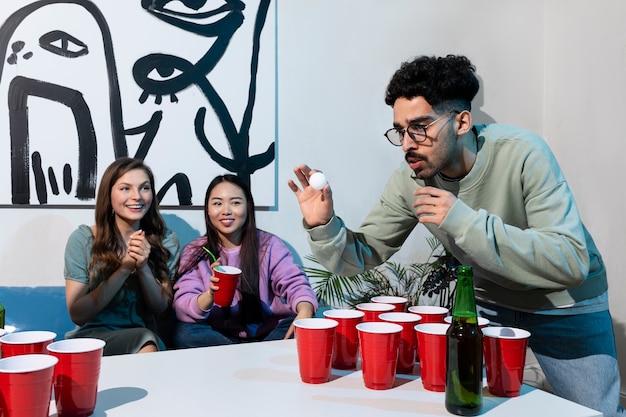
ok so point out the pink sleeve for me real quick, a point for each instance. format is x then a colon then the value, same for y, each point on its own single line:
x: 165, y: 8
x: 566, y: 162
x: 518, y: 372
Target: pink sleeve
x: 288, y: 279
x: 186, y: 291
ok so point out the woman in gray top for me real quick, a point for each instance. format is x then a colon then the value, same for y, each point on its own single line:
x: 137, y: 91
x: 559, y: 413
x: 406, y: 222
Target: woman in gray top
x: 118, y: 272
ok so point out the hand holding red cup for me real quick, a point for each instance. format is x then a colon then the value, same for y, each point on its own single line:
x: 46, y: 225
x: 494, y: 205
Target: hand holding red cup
x: 228, y: 281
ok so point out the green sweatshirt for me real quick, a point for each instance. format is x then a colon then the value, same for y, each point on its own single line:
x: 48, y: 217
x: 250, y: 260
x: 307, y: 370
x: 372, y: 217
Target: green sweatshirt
x: 515, y: 222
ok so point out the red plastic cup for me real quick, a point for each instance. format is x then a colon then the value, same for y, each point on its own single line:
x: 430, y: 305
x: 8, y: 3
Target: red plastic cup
x: 229, y: 278
x: 482, y: 322
x: 76, y: 375
x: 408, y: 339
x: 505, y: 358
x: 372, y: 310
x: 26, y: 385
x: 379, y: 353
x: 314, y: 340
x: 432, y: 344
x: 346, y: 347
x: 21, y: 343
x: 430, y: 314
x: 398, y: 302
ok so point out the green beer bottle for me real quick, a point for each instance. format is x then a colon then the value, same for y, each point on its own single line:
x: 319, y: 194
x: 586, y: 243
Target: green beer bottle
x: 1, y: 316
x: 464, y: 355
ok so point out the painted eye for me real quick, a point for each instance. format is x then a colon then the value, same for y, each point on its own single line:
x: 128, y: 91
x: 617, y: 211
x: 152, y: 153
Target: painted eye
x: 203, y: 17
x: 160, y: 74
x: 163, y: 73
x: 63, y: 44
x: 193, y: 8
x: 186, y: 5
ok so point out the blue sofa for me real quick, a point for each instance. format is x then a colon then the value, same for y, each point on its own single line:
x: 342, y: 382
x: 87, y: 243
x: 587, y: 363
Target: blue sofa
x: 36, y: 308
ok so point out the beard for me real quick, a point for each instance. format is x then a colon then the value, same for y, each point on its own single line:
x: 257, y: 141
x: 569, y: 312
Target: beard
x: 443, y: 154
x: 420, y: 165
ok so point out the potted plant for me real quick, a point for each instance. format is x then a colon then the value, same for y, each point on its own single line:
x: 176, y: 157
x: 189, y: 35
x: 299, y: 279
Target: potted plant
x: 431, y: 280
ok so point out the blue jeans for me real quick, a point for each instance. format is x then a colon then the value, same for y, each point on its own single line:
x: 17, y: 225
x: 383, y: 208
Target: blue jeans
x: 576, y: 353
x: 187, y: 335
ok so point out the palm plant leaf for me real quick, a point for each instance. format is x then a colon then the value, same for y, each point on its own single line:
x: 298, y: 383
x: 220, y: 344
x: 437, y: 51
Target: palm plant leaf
x: 430, y: 278
x: 330, y: 288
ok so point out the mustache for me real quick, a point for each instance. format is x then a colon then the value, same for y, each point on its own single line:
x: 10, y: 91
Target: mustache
x: 414, y: 155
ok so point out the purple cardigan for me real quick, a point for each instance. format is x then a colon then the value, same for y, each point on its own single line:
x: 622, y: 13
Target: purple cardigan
x: 282, y: 284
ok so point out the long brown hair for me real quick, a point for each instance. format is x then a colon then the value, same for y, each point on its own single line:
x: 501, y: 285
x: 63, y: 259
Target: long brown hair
x: 107, y: 247
x: 249, y: 252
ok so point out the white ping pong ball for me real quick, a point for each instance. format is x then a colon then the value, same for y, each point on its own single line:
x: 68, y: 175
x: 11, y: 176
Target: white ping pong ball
x: 317, y: 180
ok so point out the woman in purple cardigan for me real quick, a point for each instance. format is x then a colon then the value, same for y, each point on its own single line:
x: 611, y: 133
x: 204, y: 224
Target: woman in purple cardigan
x: 273, y: 290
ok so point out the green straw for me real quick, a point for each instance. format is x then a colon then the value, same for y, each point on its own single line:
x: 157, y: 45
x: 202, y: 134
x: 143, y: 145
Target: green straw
x: 210, y: 253
x: 217, y: 268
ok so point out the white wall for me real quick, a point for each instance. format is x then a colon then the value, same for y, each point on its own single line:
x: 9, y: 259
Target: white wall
x: 335, y: 60
x: 584, y: 87
x: 555, y: 66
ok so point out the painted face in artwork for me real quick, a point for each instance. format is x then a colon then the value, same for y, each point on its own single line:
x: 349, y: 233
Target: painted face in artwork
x: 56, y: 72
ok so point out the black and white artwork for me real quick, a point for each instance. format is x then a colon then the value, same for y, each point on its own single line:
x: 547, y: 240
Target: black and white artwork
x: 189, y: 86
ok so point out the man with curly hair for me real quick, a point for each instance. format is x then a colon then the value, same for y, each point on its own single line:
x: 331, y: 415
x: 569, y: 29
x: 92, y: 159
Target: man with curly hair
x: 496, y: 198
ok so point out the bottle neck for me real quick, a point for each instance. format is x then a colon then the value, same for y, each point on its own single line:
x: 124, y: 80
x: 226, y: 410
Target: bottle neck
x: 464, y: 303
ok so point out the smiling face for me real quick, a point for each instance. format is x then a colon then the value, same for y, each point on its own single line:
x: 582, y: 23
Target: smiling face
x: 227, y: 209
x: 131, y: 197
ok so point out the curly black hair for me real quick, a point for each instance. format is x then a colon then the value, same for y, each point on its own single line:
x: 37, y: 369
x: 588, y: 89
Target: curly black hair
x: 446, y: 83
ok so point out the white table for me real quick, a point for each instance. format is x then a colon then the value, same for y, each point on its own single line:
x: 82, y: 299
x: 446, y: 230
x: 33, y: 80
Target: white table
x: 261, y: 379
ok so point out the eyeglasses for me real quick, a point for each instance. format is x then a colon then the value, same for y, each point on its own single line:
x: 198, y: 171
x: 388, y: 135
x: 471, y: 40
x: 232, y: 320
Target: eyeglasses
x: 416, y: 132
